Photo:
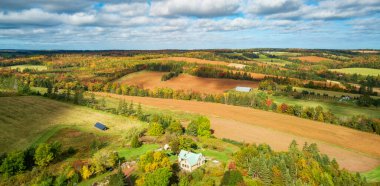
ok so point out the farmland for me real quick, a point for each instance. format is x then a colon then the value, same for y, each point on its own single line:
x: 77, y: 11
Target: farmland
x: 187, y: 100
x: 256, y: 126
x: 361, y: 71
x: 151, y: 80
x: 312, y: 59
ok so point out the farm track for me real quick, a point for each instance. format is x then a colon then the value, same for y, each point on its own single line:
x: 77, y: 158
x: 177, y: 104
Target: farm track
x: 354, y: 150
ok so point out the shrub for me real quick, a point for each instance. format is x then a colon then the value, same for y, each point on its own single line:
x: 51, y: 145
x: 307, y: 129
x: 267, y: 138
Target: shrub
x: 135, y: 143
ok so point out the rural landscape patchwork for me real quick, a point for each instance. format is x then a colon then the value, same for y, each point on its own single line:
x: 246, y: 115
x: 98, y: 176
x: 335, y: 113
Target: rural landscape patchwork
x: 137, y: 93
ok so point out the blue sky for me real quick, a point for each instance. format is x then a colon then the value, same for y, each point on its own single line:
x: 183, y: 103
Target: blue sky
x: 189, y: 24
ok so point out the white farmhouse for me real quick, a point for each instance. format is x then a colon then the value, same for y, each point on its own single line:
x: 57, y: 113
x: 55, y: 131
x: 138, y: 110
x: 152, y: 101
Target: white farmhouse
x: 189, y: 161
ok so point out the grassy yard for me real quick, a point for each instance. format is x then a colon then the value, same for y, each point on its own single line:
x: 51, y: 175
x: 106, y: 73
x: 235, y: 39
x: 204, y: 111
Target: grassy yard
x: 361, y: 71
x: 223, y: 156
x: 342, y: 110
x: 132, y: 153
x: 32, y: 67
x: 373, y: 175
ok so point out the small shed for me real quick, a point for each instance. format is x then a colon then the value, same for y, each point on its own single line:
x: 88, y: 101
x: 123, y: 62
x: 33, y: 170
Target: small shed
x: 243, y: 89
x: 100, y: 126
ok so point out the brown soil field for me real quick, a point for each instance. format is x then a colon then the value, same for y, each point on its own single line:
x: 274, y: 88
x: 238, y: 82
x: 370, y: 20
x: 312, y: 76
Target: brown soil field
x: 151, y: 80
x: 312, y: 59
x: 354, y: 150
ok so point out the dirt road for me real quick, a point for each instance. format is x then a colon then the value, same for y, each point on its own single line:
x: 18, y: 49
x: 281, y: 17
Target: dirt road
x: 354, y: 150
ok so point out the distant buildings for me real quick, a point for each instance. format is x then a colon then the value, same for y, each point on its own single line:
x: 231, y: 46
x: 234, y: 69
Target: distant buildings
x: 243, y: 89
x: 189, y: 161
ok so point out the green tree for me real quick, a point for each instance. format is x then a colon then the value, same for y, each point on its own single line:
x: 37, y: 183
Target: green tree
x: 43, y: 155
x: 159, y: 177
x: 12, y: 164
x: 117, y: 179
x: 192, y: 128
x: 175, y: 145
x: 175, y: 127
x: 232, y: 178
x: 155, y: 129
x: 203, y: 127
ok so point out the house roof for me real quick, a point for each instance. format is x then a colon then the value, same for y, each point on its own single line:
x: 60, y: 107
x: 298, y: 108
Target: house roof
x: 191, y: 158
x: 100, y: 126
x: 243, y: 89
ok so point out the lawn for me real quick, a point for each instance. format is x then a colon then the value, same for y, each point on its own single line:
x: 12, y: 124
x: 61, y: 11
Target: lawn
x: 340, y: 109
x: 32, y: 67
x: 373, y: 175
x: 132, y: 153
x: 27, y: 120
x: 360, y: 71
x: 220, y: 156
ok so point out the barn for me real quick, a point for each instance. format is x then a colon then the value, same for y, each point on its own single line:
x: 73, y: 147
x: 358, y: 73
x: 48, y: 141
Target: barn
x: 243, y: 89
x: 100, y: 126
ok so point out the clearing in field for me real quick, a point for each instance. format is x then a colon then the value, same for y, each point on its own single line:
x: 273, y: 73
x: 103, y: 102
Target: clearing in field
x: 151, y: 80
x: 360, y: 71
x: 28, y: 119
x: 312, y: 59
x: 354, y: 150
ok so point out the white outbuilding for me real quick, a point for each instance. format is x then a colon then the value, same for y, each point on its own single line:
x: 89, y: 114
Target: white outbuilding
x: 243, y: 89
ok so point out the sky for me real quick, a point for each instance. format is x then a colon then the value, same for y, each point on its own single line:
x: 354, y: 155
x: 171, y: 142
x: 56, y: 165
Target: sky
x: 189, y: 24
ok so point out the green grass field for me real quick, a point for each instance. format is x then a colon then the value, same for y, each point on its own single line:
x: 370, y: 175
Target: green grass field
x: 32, y: 67
x: 134, y: 153
x: 27, y: 120
x: 342, y: 110
x: 276, y: 61
x: 330, y: 93
x: 373, y: 175
x: 220, y: 156
x: 360, y: 71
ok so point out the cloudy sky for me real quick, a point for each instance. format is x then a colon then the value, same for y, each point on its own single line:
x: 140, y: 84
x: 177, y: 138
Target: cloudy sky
x: 189, y: 24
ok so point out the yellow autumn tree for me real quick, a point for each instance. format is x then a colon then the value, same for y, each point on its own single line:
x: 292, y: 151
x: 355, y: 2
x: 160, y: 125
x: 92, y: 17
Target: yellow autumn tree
x: 86, y: 172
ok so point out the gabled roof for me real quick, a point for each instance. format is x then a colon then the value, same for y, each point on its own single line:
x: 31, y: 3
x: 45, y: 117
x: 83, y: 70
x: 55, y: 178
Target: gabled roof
x: 191, y: 158
x: 100, y: 126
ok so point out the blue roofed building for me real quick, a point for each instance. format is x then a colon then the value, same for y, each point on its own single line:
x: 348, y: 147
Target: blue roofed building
x: 190, y: 161
x: 100, y: 126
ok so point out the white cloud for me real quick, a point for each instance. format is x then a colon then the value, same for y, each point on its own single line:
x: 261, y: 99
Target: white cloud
x: 266, y: 7
x: 127, y: 9
x: 197, y: 8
